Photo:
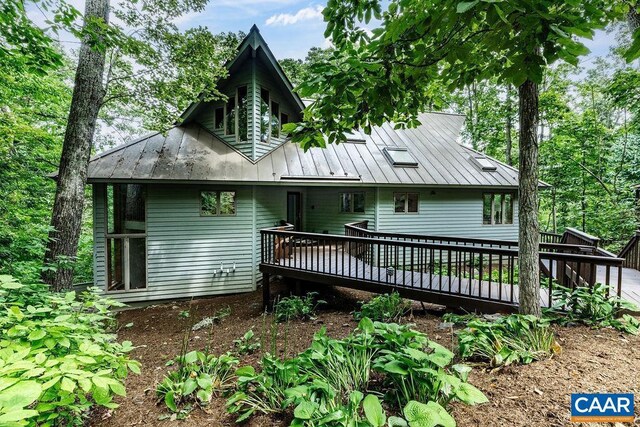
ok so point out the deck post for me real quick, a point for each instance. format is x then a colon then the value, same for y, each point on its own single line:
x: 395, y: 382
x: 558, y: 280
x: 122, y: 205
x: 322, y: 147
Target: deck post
x: 266, y: 291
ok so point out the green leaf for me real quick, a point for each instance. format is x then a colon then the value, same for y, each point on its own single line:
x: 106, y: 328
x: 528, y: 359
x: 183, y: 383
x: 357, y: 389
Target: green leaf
x: 395, y: 367
x: 429, y: 415
x: 305, y: 410
x: 470, y: 394
x: 36, y: 335
x: 67, y: 385
x: 189, y: 386
x: 20, y: 395
x: 373, y: 411
x: 465, y: 6
x: 17, y: 415
x: 170, y: 401
x: 118, y: 389
x: 397, y: 422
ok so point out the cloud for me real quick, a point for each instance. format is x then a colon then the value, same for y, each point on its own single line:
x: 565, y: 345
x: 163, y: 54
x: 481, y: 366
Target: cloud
x: 307, y: 14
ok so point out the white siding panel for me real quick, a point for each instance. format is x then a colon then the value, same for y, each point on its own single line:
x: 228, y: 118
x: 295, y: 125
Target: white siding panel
x: 445, y: 212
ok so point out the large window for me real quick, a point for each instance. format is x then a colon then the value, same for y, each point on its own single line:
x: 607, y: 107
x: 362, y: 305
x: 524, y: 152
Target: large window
x: 230, y: 116
x: 497, y: 208
x: 352, y: 202
x: 126, y: 253
x: 264, y: 115
x: 405, y: 202
x: 243, y: 124
x: 275, y: 119
x: 217, y: 203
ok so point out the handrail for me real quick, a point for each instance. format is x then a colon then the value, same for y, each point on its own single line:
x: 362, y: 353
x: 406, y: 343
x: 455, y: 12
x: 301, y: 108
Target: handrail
x: 572, y: 233
x: 476, y: 272
x: 631, y: 252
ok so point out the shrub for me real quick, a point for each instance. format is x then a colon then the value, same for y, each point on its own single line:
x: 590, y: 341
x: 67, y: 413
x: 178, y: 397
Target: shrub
x: 295, y: 307
x: 384, y: 308
x: 508, y: 339
x: 57, y: 359
x: 596, y: 307
x: 198, y: 377
x: 325, y: 384
x: 247, y: 344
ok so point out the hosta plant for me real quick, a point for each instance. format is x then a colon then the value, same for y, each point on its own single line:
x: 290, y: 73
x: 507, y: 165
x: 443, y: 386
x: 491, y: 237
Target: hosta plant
x: 199, y: 375
x: 384, y: 308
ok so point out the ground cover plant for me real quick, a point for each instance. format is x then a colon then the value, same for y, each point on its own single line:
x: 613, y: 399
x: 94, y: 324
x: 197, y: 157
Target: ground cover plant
x: 384, y: 308
x: 57, y: 356
x: 247, y: 344
x: 505, y: 340
x: 332, y: 382
x: 296, y: 307
x: 593, y: 306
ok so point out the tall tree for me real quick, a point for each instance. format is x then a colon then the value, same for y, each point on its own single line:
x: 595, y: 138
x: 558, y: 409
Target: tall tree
x: 86, y: 101
x: 387, y: 76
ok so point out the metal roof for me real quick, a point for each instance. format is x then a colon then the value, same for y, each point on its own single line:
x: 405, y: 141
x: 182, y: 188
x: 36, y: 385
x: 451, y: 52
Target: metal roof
x: 190, y: 153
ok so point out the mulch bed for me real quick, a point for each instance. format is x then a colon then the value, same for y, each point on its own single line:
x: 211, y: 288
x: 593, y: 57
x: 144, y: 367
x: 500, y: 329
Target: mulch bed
x: 532, y: 395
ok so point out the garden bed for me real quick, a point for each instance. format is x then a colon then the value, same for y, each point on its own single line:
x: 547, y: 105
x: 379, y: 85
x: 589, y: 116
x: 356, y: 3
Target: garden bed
x: 532, y: 395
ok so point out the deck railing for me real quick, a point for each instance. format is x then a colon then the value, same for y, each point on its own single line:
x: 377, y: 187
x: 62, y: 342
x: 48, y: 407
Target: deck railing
x: 631, y: 252
x: 471, y: 269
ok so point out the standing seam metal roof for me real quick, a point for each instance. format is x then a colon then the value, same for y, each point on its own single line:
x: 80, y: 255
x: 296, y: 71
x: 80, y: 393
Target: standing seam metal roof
x: 190, y: 153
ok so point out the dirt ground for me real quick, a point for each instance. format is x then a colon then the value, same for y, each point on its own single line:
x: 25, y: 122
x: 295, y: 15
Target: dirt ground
x: 533, y: 395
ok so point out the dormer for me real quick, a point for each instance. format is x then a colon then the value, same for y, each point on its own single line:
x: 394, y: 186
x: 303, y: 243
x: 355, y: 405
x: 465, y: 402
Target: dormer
x: 260, y: 101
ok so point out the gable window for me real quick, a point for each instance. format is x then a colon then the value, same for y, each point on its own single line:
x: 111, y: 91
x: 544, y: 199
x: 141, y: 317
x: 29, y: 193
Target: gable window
x: 275, y: 119
x: 230, y: 118
x: 352, y: 202
x: 497, y: 208
x: 125, y: 237
x: 218, y: 119
x: 264, y: 115
x: 284, y: 119
x: 242, y: 113
x: 405, y: 202
x: 217, y: 203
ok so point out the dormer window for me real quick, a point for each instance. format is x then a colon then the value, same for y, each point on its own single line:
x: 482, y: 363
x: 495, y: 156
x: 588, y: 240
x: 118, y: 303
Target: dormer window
x: 242, y: 114
x: 275, y: 119
x: 265, y: 116
x: 230, y: 118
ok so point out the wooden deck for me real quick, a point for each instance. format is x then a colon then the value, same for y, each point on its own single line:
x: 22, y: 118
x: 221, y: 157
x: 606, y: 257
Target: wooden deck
x: 473, y: 274
x: 350, y: 271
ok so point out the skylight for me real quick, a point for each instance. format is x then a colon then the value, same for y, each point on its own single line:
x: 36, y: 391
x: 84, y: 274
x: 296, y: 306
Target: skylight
x: 483, y: 163
x: 355, y: 136
x: 400, y: 157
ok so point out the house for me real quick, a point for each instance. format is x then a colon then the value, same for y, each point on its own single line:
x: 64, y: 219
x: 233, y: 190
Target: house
x: 178, y: 214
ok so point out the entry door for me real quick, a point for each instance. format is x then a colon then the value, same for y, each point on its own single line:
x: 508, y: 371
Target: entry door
x: 294, y: 209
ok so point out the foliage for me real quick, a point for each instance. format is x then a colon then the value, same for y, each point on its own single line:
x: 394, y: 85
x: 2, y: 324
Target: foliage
x: 57, y: 358
x: 184, y: 314
x: 325, y: 384
x: 198, y: 377
x: 508, y: 339
x: 384, y: 308
x: 296, y: 307
x: 207, y: 322
x: 597, y: 307
x: 247, y: 343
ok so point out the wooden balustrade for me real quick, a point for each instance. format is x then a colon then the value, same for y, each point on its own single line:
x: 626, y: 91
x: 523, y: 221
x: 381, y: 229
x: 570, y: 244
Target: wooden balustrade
x: 476, y: 274
x: 631, y: 252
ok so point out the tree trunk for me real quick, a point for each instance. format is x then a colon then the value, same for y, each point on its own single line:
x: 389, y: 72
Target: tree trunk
x: 508, y: 127
x: 87, y: 98
x: 529, y: 233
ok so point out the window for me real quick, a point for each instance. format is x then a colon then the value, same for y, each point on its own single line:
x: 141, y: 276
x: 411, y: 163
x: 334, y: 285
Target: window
x: 125, y: 238
x: 218, y: 119
x: 275, y: 119
x: 230, y: 118
x: 264, y: 115
x: 352, y: 202
x: 483, y: 163
x: 497, y: 208
x: 400, y: 157
x: 242, y: 113
x: 405, y: 202
x: 284, y: 119
x: 217, y: 203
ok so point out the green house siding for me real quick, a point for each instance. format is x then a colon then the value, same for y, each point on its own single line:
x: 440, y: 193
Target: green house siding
x: 99, y: 245
x: 446, y: 212
x: 322, y: 209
